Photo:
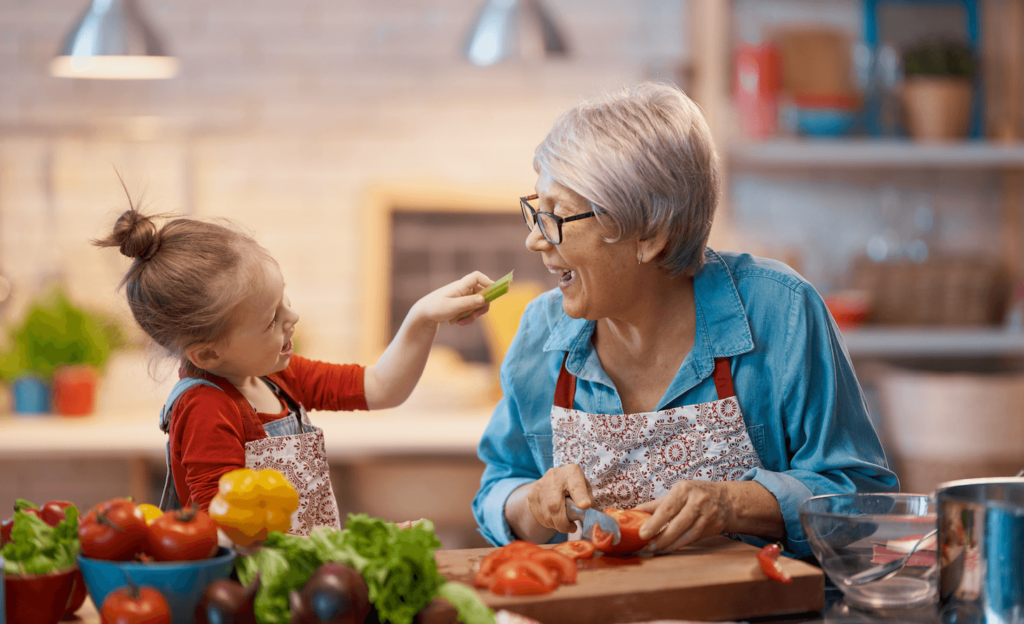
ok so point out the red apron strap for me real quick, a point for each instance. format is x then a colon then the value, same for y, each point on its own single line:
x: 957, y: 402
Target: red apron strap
x: 565, y: 389
x: 723, y: 379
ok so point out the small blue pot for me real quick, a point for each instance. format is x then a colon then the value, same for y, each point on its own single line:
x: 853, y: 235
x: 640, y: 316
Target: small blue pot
x: 31, y: 395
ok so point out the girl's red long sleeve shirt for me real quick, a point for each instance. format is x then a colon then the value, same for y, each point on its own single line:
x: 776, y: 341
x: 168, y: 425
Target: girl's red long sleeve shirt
x: 210, y: 426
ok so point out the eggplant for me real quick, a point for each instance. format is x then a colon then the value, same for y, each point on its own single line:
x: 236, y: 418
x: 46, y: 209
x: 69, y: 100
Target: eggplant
x: 335, y: 594
x: 226, y: 601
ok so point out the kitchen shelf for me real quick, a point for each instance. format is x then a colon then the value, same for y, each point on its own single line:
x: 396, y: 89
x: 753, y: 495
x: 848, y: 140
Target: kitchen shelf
x: 933, y: 342
x: 877, y: 153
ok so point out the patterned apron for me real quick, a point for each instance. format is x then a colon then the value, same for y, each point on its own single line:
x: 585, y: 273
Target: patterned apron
x: 631, y: 459
x: 293, y: 446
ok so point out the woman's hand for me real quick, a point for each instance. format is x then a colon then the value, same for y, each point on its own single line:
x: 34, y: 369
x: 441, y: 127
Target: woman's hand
x: 448, y: 302
x: 690, y: 511
x: 547, y: 497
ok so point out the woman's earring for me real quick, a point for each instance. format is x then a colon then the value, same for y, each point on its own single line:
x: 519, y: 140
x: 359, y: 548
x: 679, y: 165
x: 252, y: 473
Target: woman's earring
x: 640, y: 259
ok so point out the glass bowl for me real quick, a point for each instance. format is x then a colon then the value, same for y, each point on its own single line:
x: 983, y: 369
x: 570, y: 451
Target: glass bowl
x: 850, y: 533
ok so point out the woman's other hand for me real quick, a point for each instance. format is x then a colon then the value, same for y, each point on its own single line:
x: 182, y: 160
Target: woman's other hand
x: 448, y: 302
x: 547, y: 497
x: 690, y: 511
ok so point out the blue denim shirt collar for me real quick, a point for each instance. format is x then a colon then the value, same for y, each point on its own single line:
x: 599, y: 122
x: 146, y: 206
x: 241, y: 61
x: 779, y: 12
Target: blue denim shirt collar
x: 722, y: 331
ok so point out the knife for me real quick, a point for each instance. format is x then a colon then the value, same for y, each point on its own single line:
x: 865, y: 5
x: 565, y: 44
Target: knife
x: 590, y: 517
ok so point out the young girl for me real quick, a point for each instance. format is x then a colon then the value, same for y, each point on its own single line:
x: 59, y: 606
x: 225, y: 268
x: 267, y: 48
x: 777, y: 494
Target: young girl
x: 215, y: 299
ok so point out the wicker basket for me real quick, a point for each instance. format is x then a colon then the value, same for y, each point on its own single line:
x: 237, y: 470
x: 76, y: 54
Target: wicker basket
x: 941, y: 291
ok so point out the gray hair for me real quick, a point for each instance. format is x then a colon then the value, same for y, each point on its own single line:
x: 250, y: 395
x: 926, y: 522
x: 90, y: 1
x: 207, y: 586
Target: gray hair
x: 644, y: 158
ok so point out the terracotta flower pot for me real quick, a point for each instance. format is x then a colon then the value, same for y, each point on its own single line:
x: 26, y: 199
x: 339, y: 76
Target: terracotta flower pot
x: 938, y: 107
x: 74, y: 390
x: 38, y: 599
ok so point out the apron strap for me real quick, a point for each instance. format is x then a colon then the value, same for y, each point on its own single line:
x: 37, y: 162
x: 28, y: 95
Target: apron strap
x: 565, y: 388
x: 723, y: 379
x: 169, y: 496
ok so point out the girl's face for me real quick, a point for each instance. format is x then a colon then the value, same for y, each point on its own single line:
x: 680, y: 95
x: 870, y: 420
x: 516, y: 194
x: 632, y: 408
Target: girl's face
x: 260, y: 342
x: 595, y: 276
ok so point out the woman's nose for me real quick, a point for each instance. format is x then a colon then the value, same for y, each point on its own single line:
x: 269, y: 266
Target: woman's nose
x: 536, y: 241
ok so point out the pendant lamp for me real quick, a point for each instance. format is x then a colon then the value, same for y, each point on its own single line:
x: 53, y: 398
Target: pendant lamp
x: 504, y: 27
x: 111, y: 40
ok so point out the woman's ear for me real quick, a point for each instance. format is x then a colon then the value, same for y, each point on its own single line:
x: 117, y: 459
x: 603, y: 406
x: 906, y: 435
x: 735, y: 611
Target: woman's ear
x: 647, y: 249
x: 203, y: 356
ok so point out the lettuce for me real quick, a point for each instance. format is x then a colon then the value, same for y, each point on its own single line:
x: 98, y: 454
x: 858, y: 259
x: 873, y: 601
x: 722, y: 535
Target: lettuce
x: 397, y: 564
x: 38, y: 548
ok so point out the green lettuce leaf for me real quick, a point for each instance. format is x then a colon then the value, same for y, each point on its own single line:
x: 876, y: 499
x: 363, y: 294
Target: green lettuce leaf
x: 38, y: 548
x: 466, y: 601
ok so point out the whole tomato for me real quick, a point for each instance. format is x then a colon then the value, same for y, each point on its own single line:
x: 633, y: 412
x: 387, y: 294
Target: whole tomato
x: 77, y: 598
x: 113, y: 530
x: 135, y: 605
x: 183, y: 535
x: 53, y: 512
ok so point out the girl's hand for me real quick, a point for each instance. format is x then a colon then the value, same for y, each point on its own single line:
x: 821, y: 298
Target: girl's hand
x: 547, y: 497
x: 691, y: 510
x: 450, y: 301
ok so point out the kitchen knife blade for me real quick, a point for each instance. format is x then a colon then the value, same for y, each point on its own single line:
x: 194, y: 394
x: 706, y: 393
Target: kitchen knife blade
x: 590, y: 517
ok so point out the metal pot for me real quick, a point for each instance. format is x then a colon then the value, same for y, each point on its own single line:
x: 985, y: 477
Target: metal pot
x: 981, y: 547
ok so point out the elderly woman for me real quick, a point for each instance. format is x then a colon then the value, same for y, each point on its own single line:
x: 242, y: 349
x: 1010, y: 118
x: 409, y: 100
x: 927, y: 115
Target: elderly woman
x: 709, y: 388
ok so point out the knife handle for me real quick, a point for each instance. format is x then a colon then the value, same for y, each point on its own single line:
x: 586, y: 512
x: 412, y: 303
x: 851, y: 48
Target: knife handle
x: 572, y: 510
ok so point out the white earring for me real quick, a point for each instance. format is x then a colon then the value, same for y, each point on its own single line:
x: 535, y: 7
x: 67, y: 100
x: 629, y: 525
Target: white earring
x: 640, y: 259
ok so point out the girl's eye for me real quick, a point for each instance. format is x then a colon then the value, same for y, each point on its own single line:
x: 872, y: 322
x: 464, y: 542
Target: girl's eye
x: 272, y: 323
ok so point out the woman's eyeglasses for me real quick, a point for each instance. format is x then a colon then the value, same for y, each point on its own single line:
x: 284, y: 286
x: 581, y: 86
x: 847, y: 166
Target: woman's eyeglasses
x: 550, y: 225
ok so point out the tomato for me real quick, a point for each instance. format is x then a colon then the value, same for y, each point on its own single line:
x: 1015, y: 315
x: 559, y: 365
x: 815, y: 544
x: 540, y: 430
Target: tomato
x: 114, y: 530
x: 769, y: 560
x: 523, y: 577
x: 576, y: 549
x: 183, y: 535
x: 53, y: 512
x: 561, y: 566
x: 494, y: 559
x: 135, y: 605
x: 629, y: 522
x: 77, y: 598
x: 5, y: 531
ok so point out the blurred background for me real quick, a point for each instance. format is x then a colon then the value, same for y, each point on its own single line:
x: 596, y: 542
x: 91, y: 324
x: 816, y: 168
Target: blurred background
x: 378, y: 149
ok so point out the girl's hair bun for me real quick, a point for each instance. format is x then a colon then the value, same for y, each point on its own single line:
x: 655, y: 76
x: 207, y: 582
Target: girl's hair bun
x: 135, y: 235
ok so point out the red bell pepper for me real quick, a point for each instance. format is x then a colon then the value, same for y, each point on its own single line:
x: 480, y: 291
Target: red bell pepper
x: 769, y: 560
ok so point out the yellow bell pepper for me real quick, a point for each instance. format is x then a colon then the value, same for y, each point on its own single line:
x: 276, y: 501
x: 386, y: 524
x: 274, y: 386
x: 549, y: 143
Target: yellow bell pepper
x: 250, y: 504
x: 151, y: 512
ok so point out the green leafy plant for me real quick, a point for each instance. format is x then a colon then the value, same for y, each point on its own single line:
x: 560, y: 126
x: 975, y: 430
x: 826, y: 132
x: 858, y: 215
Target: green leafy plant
x: 939, y: 58
x: 55, y: 332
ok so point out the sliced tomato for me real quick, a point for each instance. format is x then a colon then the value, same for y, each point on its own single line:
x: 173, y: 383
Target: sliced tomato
x: 576, y: 549
x: 769, y: 560
x: 523, y: 577
x: 630, y: 522
x: 490, y: 563
x: 563, y: 567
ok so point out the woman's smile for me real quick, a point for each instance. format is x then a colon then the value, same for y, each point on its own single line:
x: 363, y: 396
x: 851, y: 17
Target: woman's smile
x: 566, y: 277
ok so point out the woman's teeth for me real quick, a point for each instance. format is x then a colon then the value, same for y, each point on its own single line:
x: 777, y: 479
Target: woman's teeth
x: 567, y: 276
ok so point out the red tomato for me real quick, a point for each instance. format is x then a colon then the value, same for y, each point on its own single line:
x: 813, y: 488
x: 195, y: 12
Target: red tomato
x: 630, y: 522
x: 769, y: 560
x: 77, y: 598
x: 561, y: 566
x: 495, y: 558
x: 5, y: 531
x: 53, y: 512
x: 135, y: 605
x: 183, y: 535
x: 114, y: 530
x: 575, y: 549
x: 523, y: 577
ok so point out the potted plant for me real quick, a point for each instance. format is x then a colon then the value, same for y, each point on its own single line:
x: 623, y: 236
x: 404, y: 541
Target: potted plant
x: 61, y: 345
x: 937, y: 90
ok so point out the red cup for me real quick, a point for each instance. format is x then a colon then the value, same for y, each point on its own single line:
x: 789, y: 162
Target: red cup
x: 38, y: 598
x: 74, y: 390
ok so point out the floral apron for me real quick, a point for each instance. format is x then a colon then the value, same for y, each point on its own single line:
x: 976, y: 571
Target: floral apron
x: 294, y: 447
x: 630, y: 459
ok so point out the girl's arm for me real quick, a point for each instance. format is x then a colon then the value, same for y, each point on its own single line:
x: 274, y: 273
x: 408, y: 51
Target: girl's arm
x: 390, y: 381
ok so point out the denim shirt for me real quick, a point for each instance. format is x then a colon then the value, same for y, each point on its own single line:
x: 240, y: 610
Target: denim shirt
x: 801, y: 402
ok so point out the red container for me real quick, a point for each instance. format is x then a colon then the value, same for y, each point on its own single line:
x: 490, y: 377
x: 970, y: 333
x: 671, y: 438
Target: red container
x: 74, y: 390
x: 756, y: 84
x: 38, y: 599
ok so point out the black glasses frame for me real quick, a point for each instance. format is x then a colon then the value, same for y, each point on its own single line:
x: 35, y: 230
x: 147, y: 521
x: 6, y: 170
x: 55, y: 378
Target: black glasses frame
x: 531, y: 214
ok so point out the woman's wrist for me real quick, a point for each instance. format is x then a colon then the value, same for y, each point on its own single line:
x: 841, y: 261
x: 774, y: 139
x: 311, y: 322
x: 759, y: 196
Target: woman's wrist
x: 755, y: 510
x: 524, y: 526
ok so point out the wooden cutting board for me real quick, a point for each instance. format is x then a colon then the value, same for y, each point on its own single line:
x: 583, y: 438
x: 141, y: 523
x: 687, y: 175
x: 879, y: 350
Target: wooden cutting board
x: 713, y: 579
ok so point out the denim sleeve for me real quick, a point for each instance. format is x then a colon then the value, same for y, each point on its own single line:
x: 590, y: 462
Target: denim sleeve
x: 504, y: 447
x: 832, y: 447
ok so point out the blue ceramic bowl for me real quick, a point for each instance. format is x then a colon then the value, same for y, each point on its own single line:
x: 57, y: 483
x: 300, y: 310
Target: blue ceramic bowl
x: 825, y: 122
x: 181, y: 582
